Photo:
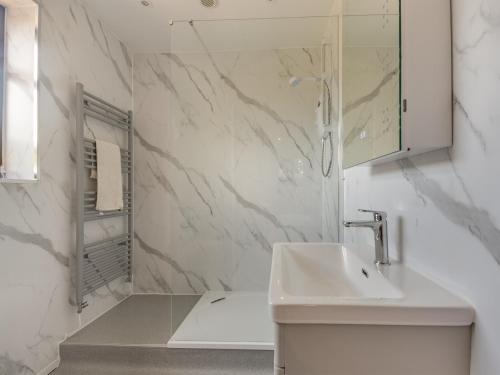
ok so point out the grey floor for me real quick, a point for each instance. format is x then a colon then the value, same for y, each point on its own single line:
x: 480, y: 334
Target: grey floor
x: 139, y: 320
x: 131, y: 339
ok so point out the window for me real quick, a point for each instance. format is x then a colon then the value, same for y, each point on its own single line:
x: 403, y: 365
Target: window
x: 2, y: 82
x: 19, y: 90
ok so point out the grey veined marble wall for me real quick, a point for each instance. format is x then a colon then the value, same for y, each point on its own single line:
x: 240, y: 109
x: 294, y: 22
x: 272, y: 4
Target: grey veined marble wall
x: 228, y: 163
x: 37, y: 238
x: 444, y: 211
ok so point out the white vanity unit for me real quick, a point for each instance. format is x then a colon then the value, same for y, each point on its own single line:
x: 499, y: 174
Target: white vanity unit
x: 338, y: 313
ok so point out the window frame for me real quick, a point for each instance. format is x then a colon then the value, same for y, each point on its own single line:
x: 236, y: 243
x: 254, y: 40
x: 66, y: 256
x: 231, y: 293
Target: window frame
x: 3, y: 42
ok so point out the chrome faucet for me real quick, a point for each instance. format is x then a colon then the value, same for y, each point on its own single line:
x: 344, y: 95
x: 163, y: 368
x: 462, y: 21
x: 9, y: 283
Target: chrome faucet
x: 379, y: 227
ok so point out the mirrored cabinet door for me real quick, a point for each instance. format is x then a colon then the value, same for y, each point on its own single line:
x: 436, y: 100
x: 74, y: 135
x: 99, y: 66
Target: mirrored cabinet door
x: 396, y: 79
x: 371, y: 85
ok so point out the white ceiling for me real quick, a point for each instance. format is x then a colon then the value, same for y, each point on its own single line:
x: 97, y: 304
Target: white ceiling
x: 146, y: 29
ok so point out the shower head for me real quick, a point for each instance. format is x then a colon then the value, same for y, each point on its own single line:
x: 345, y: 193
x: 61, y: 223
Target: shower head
x: 295, y: 81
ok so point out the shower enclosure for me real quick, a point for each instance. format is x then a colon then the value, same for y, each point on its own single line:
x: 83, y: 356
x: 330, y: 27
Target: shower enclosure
x: 236, y: 127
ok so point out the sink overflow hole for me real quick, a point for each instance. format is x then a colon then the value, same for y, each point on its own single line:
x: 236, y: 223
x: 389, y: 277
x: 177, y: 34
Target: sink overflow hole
x: 365, y: 272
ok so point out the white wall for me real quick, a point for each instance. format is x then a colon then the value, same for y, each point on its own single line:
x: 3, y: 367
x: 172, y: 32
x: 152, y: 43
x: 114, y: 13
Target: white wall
x: 444, y: 210
x: 37, y: 242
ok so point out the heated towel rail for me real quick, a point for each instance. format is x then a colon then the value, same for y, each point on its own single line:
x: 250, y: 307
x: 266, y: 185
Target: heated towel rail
x: 98, y: 263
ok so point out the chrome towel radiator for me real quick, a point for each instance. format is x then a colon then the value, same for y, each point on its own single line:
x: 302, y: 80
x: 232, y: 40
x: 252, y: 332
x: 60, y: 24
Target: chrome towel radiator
x: 98, y: 263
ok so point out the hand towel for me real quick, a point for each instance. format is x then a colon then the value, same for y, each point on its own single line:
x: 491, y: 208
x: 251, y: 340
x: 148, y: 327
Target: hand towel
x: 109, y: 177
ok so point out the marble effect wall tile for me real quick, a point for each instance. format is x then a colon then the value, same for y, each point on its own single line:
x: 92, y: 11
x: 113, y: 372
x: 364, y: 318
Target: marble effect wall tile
x: 444, y: 215
x: 228, y: 163
x: 37, y: 237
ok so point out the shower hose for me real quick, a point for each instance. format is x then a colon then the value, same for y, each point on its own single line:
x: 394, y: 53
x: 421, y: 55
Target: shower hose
x: 326, y: 168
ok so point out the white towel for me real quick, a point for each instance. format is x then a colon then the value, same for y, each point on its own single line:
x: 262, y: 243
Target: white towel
x: 109, y: 177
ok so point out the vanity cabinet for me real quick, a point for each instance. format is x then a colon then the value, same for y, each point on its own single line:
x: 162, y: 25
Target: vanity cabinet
x: 396, y: 79
x: 329, y: 349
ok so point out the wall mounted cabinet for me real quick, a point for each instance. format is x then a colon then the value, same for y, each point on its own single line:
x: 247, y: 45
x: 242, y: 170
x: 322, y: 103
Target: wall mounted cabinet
x: 397, y: 80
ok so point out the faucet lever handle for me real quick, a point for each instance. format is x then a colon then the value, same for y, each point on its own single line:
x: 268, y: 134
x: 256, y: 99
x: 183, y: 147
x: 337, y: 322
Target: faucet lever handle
x: 378, y: 215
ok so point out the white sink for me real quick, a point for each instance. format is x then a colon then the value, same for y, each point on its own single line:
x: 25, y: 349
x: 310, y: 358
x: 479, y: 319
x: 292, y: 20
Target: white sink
x: 335, y: 284
x: 331, y: 271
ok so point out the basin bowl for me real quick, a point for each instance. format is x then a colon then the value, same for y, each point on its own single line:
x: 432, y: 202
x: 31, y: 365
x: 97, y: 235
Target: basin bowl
x: 331, y: 271
x: 330, y: 283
